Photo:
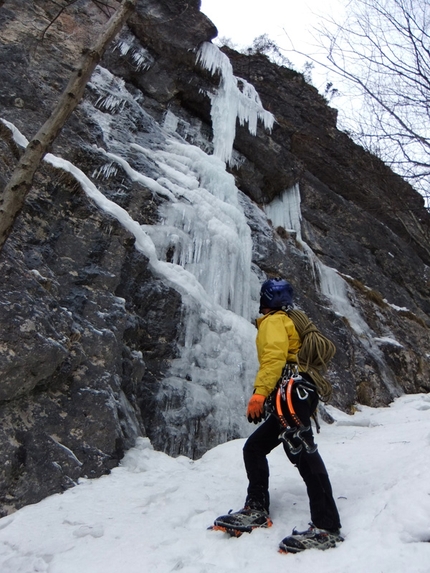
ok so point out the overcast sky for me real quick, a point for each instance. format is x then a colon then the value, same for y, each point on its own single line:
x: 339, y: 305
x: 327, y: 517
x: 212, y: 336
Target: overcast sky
x: 288, y: 22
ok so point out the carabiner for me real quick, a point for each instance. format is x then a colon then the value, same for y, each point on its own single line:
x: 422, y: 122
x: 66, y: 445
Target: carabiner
x: 305, y: 395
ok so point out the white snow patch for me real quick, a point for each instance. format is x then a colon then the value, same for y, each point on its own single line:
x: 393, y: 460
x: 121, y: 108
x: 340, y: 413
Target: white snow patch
x: 18, y: 138
x: 388, y: 340
x: 395, y: 307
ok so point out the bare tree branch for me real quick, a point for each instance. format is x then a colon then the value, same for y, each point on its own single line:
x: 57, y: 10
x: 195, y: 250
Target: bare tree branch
x: 62, y: 8
x: 99, y: 3
x: 383, y: 51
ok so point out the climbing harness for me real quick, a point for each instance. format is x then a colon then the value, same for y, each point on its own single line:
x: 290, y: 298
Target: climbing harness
x: 292, y: 380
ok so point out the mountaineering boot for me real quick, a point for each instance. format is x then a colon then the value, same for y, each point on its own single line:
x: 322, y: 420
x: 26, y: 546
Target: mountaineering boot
x: 243, y: 521
x: 312, y: 538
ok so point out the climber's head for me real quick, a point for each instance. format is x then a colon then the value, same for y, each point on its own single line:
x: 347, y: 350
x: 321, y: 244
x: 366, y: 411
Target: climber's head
x: 275, y: 294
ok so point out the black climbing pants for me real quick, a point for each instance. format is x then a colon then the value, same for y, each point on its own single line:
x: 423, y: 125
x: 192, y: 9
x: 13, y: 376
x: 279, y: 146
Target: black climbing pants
x: 311, y: 467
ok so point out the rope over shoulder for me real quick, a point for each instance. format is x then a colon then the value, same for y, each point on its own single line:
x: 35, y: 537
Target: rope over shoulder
x: 315, y: 353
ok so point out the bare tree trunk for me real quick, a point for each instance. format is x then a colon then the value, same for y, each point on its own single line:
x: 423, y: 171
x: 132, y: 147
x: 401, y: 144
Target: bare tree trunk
x: 15, y: 192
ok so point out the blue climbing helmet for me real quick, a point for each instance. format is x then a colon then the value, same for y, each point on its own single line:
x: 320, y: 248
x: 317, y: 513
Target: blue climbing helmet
x: 276, y: 294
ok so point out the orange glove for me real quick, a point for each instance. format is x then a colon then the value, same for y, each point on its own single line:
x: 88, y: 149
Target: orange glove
x: 255, y: 411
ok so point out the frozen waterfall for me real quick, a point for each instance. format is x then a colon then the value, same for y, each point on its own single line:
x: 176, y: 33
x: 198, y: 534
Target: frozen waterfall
x: 235, y: 99
x: 205, y: 230
x: 284, y: 211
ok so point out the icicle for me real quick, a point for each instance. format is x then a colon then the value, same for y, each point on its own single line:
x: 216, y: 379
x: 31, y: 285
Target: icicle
x: 234, y: 99
x: 335, y: 288
x: 205, y: 230
x: 170, y: 122
x: 284, y: 211
x: 139, y: 56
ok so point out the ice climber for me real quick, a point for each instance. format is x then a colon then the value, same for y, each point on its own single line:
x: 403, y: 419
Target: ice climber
x: 288, y: 411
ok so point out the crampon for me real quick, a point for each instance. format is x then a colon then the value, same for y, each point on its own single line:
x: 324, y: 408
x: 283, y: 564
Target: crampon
x: 312, y: 538
x: 242, y: 521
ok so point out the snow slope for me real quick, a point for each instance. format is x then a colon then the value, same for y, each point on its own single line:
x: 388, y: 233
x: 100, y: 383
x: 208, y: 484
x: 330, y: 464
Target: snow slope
x: 151, y: 514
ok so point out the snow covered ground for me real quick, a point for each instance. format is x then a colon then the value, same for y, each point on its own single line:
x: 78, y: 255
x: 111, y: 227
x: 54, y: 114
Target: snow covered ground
x: 152, y: 513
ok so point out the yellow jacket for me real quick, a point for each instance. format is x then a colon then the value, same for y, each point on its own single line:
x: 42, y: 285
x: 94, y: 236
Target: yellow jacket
x: 277, y: 342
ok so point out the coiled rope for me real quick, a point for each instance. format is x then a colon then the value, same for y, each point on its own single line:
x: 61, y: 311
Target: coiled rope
x: 315, y: 353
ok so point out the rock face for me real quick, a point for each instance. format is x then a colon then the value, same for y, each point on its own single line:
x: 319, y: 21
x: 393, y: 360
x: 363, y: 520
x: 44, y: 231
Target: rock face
x: 97, y: 346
